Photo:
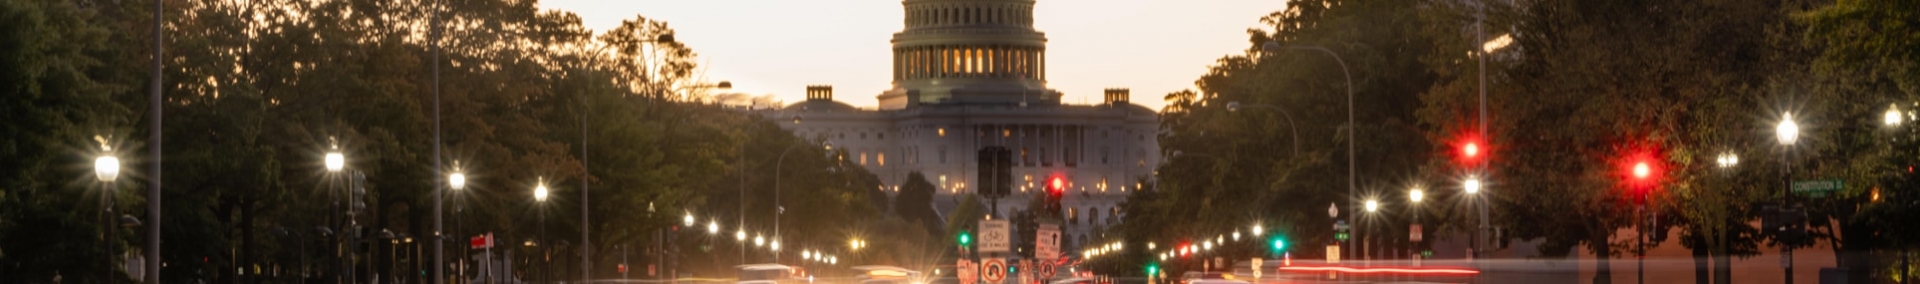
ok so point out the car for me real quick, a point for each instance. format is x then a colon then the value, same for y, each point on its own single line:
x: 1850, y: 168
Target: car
x: 1214, y: 278
x: 881, y: 274
x: 1075, y: 280
x: 765, y: 274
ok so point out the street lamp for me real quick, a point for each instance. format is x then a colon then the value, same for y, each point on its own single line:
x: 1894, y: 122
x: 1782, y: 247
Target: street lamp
x: 456, y: 181
x: 1727, y: 160
x: 1352, y: 176
x: 106, y: 168
x: 1416, y: 195
x: 1787, y: 132
x: 1892, y: 116
x: 540, y: 196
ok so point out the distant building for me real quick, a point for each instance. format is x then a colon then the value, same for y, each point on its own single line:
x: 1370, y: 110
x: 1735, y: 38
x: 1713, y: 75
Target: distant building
x: 970, y: 74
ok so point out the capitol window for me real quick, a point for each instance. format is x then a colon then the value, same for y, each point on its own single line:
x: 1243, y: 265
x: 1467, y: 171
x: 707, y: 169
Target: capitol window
x: 943, y: 132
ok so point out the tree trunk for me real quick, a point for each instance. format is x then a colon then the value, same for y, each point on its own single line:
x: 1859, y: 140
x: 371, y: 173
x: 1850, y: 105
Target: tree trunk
x: 1722, y: 262
x: 1602, y: 258
x: 1701, y: 251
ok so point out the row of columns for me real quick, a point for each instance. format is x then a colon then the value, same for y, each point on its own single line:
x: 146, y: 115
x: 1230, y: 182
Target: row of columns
x: 969, y: 14
x: 933, y: 62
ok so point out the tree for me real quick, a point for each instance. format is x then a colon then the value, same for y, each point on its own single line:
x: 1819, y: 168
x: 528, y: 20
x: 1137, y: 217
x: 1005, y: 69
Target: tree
x: 914, y: 203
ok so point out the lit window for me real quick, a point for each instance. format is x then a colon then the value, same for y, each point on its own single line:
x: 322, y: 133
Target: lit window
x: 943, y: 132
x: 882, y: 158
x: 863, y: 158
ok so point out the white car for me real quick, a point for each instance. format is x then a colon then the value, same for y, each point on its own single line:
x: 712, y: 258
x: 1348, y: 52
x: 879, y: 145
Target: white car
x: 765, y: 274
x: 881, y: 274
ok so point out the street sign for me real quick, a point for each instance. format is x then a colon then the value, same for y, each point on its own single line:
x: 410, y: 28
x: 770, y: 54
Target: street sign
x: 1333, y: 253
x: 993, y: 270
x: 481, y: 241
x: 994, y: 236
x: 1341, y: 225
x: 966, y: 271
x: 1046, y: 270
x: 1817, y: 188
x: 1027, y: 272
x: 1046, y: 243
x: 1413, y: 233
x: 1256, y: 268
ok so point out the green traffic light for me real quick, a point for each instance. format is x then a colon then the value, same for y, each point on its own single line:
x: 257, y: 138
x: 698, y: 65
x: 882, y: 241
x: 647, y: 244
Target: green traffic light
x: 1279, y: 244
x: 965, y: 238
x: 1153, y: 269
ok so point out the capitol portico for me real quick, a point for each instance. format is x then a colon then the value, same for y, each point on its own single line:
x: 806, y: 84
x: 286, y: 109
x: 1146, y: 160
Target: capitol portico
x: 970, y: 74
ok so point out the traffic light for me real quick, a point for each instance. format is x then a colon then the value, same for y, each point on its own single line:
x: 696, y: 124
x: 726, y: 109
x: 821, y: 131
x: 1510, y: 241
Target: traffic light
x: 1279, y: 244
x: 1469, y: 150
x: 965, y: 238
x: 1153, y: 269
x: 358, y: 202
x: 1056, y: 187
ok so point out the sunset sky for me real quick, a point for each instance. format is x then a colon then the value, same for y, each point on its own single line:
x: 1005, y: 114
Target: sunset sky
x: 778, y: 47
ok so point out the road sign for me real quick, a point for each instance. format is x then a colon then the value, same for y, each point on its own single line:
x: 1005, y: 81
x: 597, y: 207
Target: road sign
x: 1046, y: 242
x: 481, y: 241
x: 1256, y: 268
x: 993, y: 270
x: 966, y: 271
x: 994, y: 236
x: 1341, y: 225
x: 1817, y: 188
x: 1026, y: 271
x: 1046, y: 270
x: 1333, y: 253
x: 1413, y: 233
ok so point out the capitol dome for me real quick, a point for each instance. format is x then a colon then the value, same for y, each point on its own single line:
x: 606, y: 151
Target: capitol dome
x: 968, y: 52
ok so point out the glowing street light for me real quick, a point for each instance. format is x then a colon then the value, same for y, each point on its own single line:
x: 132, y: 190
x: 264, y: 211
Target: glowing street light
x: 1641, y: 170
x: 335, y: 161
x: 1373, y: 205
x: 740, y: 235
x: 106, y: 168
x: 1788, y: 131
x: 1472, y: 185
x: 1727, y: 160
x: 1257, y: 230
x: 1893, y: 115
x: 1416, y: 195
x: 713, y: 227
x: 540, y: 192
x: 457, y: 180
x: 759, y: 240
x: 689, y: 219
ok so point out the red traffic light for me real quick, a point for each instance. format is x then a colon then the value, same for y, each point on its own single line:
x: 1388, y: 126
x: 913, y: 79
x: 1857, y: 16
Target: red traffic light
x: 1470, y: 149
x: 1641, y: 171
x: 1057, y: 184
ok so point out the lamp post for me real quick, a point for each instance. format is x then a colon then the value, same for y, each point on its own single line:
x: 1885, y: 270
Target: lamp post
x: 106, y: 169
x: 1472, y: 187
x: 1787, y: 132
x: 1368, y: 239
x: 458, y: 182
x: 546, y: 251
x: 1353, y: 134
x: 335, y: 162
x: 1416, y: 195
x: 777, y: 209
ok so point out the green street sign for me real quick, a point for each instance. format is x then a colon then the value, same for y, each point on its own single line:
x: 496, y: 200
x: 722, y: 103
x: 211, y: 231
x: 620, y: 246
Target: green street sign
x: 1817, y: 188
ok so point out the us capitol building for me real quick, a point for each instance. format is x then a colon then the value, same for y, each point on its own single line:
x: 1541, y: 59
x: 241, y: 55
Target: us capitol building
x: 971, y: 74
